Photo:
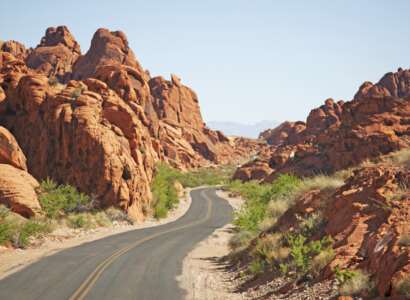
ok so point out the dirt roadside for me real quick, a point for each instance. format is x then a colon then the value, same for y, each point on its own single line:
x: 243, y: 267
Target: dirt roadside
x: 202, y: 275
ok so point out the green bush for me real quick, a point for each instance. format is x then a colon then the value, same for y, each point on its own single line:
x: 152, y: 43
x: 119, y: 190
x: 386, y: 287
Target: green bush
x: 30, y: 229
x: 53, y: 81
x: 206, y: 176
x: 6, y: 226
x: 82, y: 220
x: 257, y: 198
x: 77, y: 92
x: 164, y: 193
x: 302, y: 254
x: 256, y: 267
x: 63, y: 198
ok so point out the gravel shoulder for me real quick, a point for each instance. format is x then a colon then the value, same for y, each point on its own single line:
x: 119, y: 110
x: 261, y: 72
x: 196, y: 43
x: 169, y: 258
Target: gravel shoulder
x: 204, y: 274
x: 12, y: 260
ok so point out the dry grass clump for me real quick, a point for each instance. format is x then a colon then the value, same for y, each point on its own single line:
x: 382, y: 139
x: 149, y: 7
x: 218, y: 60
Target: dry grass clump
x: 321, y: 261
x: 319, y: 182
x: 402, y: 156
x: 118, y: 215
x: 277, y: 207
x: 239, y: 239
x: 403, y: 286
x: 359, y: 283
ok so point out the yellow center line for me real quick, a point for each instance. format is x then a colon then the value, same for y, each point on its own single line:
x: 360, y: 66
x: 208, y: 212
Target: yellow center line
x: 101, y: 267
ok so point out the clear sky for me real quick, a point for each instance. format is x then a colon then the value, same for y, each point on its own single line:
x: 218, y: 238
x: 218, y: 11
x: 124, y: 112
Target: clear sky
x: 247, y: 60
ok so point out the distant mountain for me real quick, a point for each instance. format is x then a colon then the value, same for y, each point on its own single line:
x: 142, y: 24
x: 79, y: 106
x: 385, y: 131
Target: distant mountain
x: 246, y: 130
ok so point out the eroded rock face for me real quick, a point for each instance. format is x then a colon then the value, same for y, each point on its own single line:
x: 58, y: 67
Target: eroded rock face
x: 56, y: 53
x: 17, y: 191
x: 340, y: 135
x: 366, y: 223
x: 322, y: 118
x: 287, y: 133
x: 15, y: 48
x: 107, y: 48
x: 94, y: 141
x: 392, y: 84
x: 10, y: 152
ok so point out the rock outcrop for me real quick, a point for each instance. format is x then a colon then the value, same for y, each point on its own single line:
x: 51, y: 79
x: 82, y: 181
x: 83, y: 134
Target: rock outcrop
x: 107, y: 48
x: 392, y: 84
x: 340, y: 135
x: 84, y: 135
x: 15, y: 48
x: 287, y: 133
x: 366, y: 223
x: 102, y: 130
x: 56, y: 53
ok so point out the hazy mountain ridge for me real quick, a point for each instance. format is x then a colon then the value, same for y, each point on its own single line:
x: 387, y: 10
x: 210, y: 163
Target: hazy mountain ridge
x: 245, y: 130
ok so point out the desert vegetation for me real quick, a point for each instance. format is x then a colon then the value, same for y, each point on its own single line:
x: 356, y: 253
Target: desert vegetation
x: 62, y: 205
x: 164, y: 190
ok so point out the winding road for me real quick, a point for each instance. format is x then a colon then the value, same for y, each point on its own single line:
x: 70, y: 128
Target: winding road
x: 138, y: 264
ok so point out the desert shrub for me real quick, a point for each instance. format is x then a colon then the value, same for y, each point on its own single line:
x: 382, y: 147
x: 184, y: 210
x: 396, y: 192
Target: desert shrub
x: 240, y: 239
x: 63, y: 198
x: 278, y: 256
x: 102, y: 219
x: 277, y: 207
x: 356, y: 284
x: 256, y: 267
x: 404, y: 241
x: 321, y: 261
x: 53, y: 81
x: 115, y: 214
x: 302, y: 254
x: 77, y: 92
x: 206, y: 176
x: 30, y: 229
x: 160, y: 212
x: 257, y: 198
x: 266, y: 223
x: 6, y: 226
x: 312, y: 225
x: 82, y: 220
x: 319, y: 182
x: 402, y: 156
x: 403, y: 286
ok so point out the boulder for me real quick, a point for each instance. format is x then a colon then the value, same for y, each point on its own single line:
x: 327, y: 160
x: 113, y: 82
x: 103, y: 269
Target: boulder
x: 10, y: 152
x: 17, y: 191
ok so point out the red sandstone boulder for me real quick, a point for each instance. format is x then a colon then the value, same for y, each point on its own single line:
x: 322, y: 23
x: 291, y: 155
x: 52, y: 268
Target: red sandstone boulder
x: 10, y: 152
x: 17, y: 191
x: 56, y: 53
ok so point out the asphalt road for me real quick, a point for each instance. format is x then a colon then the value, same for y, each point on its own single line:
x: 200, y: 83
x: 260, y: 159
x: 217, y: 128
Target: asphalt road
x: 138, y: 264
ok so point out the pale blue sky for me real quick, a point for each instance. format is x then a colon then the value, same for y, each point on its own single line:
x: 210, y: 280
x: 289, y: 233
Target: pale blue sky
x: 247, y: 60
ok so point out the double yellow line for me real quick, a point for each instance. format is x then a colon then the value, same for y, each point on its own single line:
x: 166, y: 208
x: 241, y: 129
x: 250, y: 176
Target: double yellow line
x: 85, y: 287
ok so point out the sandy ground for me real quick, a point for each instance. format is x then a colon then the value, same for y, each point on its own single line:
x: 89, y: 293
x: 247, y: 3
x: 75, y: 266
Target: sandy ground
x: 12, y: 260
x: 203, y: 274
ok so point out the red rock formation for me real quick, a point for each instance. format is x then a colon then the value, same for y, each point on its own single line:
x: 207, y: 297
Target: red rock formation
x: 253, y: 170
x: 107, y: 48
x: 93, y: 141
x: 287, y: 133
x: 322, y: 118
x: 10, y: 152
x: 366, y: 223
x: 15, y: 48
x: 392, y: 84
x: 17, y: 191
x: 341, y: 135
x: 56, y: 53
